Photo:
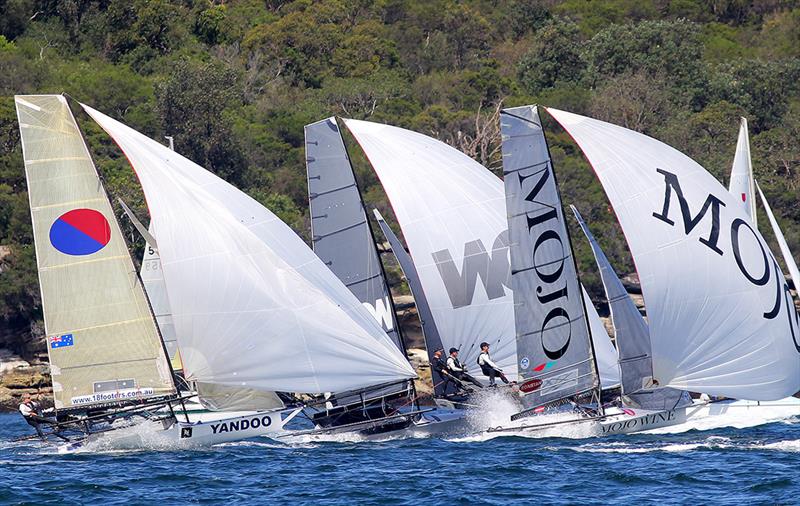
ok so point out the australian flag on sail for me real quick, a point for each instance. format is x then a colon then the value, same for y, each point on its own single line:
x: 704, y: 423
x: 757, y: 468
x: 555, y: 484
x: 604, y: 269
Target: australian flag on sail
x: 61, y: 341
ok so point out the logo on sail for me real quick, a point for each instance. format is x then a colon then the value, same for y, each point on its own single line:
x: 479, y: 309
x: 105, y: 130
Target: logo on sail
x: 493, y: 270
x: 80, y: 232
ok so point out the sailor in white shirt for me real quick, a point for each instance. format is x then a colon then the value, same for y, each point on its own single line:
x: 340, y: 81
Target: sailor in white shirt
x: 31, y: 411
x: 488, y: 367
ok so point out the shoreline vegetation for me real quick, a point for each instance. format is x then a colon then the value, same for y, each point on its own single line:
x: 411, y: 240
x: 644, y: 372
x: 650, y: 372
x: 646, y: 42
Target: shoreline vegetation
x: 234, y: 82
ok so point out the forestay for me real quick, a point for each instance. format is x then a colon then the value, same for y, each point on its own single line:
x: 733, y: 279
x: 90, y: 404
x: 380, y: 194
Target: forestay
x: 742, y: 185
x: 340, y: 232
x: 721, y: 316
x: 102, y: 340
x: 253, y: 306
x: 553, y: 340
x: 451, y: 211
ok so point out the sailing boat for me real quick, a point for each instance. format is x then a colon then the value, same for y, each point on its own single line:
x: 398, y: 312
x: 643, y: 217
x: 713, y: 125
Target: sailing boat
x: 343, y: 239
x: 263, y: 292
x: 106, y: 356
x: 460, y: 208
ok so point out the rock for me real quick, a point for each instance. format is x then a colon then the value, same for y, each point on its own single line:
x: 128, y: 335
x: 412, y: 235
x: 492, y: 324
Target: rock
x: 9, y: 361
x: 25, y: 379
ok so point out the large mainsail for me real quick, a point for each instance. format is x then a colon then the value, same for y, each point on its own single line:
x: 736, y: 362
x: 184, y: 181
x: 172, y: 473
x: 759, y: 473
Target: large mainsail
x: 451, y: 211
x: 253, y: 306
x: 742, y: 185
x: 553, y: 339
x: 721, y: 316
x: 788, y: 259
x: 433, y: 341
x: 102, y: 340
x: 340, y: 232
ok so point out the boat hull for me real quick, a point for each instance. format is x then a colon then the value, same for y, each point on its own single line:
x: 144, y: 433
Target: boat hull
x: 182, y: 435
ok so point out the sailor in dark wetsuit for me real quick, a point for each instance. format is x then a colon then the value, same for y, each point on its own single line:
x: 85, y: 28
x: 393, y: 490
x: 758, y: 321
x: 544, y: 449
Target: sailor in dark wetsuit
x: 457, y: 369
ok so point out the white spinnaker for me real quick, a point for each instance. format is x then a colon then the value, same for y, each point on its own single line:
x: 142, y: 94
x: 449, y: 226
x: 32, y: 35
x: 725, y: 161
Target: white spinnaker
x: 452, y: 214
x: 252, y: 305
x: 712, y: 329
x: 788, y: 259
x: 604, y: 352
x: 742, y: 185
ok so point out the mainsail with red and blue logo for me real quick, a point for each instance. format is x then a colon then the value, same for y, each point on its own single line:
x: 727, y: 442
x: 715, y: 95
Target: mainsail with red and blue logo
x: 80, y: 232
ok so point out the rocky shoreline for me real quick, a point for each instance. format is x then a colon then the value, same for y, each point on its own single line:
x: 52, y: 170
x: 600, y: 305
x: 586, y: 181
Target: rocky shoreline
x: 18, y: 377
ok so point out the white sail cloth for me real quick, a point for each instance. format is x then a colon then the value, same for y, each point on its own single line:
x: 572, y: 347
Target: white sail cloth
x: 604, y: 352
x: 742, y: 184
x: 788, y: 259
x: 452, y: 214
x: 721, y: 317
x: 251, y: 303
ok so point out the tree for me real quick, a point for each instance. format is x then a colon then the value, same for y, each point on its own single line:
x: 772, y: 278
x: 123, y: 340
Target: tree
x: 192, y: 103
x: 554, y: 58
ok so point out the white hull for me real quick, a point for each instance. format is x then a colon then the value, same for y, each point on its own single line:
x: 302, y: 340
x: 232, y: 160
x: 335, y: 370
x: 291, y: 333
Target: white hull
x: 700, y: 415
x: 151, y: 434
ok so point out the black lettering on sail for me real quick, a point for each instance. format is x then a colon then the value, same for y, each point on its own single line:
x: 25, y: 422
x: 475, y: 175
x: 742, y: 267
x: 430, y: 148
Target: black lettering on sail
x: 689, y: 223
x: 736, y: 225
x: 555, y: 354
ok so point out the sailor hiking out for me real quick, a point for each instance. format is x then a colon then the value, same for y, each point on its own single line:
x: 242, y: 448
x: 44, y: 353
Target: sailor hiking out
x: 457, y: 369
x: 32, y: 412
x: 488, y: 367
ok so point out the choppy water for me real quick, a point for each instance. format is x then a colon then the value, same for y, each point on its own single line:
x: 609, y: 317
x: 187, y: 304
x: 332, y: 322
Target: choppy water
x: 725, y: 466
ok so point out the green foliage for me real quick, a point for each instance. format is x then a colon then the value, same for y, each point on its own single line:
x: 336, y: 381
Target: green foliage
x: 234, y: 83
x: 553, y: 59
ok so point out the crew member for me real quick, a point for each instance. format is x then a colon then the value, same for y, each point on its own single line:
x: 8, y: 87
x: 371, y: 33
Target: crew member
x: 440, y: 366
x: 458, y: 370
x: 488, y: 367
x: 32, y: 413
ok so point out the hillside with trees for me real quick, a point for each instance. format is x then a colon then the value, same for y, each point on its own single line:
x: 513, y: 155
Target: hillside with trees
x: 234, y: 82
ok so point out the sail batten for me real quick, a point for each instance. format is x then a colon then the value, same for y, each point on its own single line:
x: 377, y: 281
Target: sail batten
x: 102, y: 341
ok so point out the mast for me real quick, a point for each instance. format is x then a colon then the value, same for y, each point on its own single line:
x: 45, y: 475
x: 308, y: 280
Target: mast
x: 553, y: 336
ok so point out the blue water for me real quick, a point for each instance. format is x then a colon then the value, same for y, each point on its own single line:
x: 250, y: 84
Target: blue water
x: 726, y: 466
